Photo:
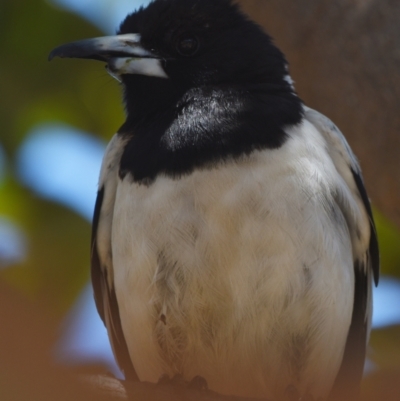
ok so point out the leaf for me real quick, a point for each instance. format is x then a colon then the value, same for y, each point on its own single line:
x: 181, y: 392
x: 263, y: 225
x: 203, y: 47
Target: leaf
x: 389, y: 244
x: 385, y: 345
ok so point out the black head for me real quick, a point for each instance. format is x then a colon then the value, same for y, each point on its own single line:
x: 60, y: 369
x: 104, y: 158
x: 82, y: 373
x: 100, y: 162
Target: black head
x: 202, y: 83
x: 204, y: 42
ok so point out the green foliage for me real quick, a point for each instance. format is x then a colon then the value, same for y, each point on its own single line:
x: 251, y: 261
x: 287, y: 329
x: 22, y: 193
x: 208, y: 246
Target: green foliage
x: 79, y: 93
x: 34, y: 91
x: 389, y: 244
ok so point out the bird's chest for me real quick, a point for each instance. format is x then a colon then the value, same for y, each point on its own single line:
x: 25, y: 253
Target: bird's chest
x: 186, y: 245
x: 208, y: 266
x: 189, y: 241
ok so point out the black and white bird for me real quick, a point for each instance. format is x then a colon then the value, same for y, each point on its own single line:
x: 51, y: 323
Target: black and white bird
x: 232, y: 237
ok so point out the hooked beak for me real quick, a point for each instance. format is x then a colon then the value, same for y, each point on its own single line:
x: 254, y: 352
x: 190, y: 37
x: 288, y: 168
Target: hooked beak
x: 124, y: 54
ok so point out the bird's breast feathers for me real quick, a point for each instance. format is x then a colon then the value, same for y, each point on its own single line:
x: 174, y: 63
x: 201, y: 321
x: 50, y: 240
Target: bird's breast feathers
x: 232, y: 272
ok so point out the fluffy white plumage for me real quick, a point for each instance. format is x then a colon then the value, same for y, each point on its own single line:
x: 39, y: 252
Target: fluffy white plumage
x: 232, y: 272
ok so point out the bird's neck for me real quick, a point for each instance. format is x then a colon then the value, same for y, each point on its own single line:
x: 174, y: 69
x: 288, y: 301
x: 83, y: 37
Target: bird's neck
x: 172, y: 133
x: 146, y: 98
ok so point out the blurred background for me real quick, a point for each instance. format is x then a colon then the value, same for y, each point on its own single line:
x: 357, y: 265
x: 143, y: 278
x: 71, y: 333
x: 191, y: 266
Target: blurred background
x: 56, y: 119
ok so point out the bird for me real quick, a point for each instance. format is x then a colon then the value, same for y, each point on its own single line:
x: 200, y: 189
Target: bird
x: 233, y: 238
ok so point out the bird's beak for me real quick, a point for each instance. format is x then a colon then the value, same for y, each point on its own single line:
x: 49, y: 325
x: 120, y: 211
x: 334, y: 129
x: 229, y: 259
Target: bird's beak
x: 123, y: 54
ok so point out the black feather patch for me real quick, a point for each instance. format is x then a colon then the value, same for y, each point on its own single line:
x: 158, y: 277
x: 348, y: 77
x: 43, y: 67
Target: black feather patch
x: 227, y: 99
x: 209, y: 125
x: 94, y: 256
x: 373, y: 250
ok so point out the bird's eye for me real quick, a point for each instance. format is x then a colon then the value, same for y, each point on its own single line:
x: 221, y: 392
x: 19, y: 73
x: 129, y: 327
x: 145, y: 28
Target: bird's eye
x: 187, y: 45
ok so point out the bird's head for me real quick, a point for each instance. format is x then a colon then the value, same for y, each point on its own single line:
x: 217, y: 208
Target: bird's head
x: 172, y: 46
x: 202, y: 83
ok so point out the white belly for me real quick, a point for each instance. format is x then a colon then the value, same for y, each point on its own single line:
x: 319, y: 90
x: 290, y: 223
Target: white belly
x: 231, y: 274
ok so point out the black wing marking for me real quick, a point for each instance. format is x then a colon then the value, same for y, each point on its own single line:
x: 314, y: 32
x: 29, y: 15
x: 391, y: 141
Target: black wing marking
x: 373, y: 249
x: 106, y: 301
x: 346, y: 387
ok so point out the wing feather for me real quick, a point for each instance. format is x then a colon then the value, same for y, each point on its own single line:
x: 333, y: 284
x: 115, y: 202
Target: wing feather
x: 106, y: 302
x: 356, y: 208
x: 101, y: 259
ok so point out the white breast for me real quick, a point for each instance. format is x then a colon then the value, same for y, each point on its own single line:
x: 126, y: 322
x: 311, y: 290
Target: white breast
x: 241, y: 273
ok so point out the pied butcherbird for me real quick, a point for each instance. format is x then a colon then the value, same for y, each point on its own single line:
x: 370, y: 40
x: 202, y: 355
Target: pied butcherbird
x: 233, y: 238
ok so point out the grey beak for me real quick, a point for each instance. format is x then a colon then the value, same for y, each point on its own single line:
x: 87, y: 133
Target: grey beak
x: 104, y: 48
